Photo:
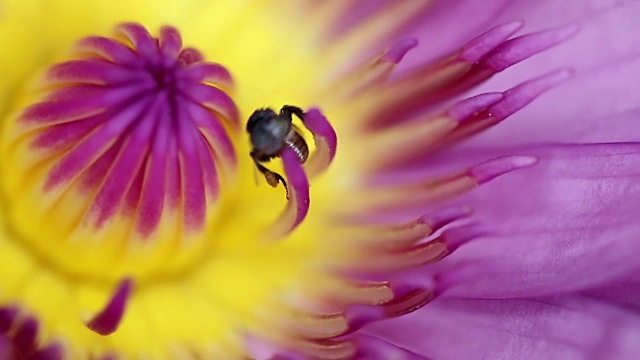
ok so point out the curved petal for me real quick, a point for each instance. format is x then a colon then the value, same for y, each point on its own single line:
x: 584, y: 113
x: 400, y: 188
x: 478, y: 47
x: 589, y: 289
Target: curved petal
x: 608, y: 27
x: 605, y: 55
x: 298, y: 196
x: 568, y: 223
x: 455, y: 22
x: 566, y: 328
x: 598, y: 105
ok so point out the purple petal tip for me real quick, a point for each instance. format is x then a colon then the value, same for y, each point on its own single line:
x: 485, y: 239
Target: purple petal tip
x: 442, y: 217
x: 455, y: 238
x: 299, y: 200
x: 493, y: 168
x: 521, y: 95
x: 480, y: 46
x: 106, y: 322
x: 318, y: 124
x: 523, y: 47
x: 397, y: 51
x: 467, y: 107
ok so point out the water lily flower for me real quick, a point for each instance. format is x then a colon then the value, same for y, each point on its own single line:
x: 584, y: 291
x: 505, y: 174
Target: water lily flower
x: 422, y: 179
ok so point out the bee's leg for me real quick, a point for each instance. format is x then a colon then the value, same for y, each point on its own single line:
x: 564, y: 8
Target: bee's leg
x: 272, y: 177
x: 288, y: 110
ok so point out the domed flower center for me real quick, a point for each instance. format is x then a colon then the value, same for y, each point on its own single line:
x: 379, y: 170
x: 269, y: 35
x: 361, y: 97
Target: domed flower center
x: 120, y: 156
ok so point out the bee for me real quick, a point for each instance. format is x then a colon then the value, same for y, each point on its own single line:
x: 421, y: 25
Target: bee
x: 270, y: 133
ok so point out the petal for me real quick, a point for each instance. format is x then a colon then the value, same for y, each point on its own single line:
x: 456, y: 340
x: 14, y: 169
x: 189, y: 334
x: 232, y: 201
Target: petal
x: 605, y: 55
x: 624, y: 293
x: 598, y: 105
x: 608, y: 28
x: 455, y: 22
x: 568, y: 223
x: 298, y: 193
x: 555, y: 328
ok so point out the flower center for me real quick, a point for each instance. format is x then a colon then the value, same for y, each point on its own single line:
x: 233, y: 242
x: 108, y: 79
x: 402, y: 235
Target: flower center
x: 121, y: 157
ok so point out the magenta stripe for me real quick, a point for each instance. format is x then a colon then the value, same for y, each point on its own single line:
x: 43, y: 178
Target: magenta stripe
x: 170, y: 42
x: 208, y: 72
x: 211, y: 127
x: 141, y: 40
x: 153, y: 189
x: 76, y: 160
x: 109, y: 49
x: 123, y: 171
x: 210, y: 175
x: 79, y: 102
x: 91, y: 71
x: 215, y: 100
x: 66, y: 135
x: 131, y: 200
x: 96, y: 173
x: 193, y: 198
x: 173, y: 177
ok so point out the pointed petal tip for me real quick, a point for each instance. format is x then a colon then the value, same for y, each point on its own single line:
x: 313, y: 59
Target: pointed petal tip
x: 397, y: 51
x: 318, y: 124
x: 444, y: 216
x: 491, y: 169
x: 483, y: 44
x: 326, y: 141
x: 299, y: 201
x: 106, y: 322
x: 457, y: 236
x: 521, y: 95
x: 516, y: 50
x: 464, y: 109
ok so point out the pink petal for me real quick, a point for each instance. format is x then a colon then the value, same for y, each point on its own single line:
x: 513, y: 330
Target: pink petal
x: 624, y: 293
x: 455, y: 22
x: 568, y: 223
x: 298, y: 203
x: 568, y: 328
x: 605, y: 56
x: 106, y: 322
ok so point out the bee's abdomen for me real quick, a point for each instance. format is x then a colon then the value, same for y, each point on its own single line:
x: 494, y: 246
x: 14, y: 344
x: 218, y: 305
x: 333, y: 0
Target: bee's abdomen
x: 296, y: 143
